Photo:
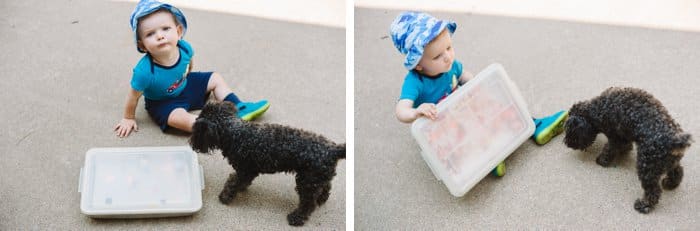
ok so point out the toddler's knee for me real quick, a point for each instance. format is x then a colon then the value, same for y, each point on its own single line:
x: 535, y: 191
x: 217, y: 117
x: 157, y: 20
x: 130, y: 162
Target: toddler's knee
x: 216, y: 76
x: 181, y: 119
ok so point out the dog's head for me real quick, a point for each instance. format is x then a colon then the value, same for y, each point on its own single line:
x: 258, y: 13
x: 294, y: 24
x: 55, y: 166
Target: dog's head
x: 207, y: 127
x: 218, y: 111
x: 579, y: 132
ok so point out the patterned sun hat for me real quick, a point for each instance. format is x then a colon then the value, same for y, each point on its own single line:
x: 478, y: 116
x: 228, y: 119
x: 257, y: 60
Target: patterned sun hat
x: 411, y: 31
x: 146, y: 7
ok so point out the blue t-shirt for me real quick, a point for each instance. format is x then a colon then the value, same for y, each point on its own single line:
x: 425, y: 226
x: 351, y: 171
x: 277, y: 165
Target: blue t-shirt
x: 159, y: 82
x: 423, y: 89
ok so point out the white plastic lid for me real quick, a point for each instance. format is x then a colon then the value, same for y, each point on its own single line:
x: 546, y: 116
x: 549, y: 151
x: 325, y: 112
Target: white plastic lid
x: 478, y: 126
x: 141, y: 182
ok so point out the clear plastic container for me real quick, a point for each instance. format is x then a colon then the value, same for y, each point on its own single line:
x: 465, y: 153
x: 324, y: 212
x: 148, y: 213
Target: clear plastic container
x: 477, y: 127
x: 140, y: 182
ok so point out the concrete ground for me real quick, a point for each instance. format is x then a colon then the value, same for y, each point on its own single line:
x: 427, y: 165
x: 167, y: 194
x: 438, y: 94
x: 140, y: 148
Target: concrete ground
x: 660, y: 14
x: 66, y: 67
x: 554, y: 64
x: 325, y: 12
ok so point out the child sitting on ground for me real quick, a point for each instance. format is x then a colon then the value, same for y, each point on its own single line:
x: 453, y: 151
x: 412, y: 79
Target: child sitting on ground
x: 163, y: 75
x: 434, y: 72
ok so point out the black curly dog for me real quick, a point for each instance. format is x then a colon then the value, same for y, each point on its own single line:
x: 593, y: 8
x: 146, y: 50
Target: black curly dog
x: 627, y: 115
x: 255, y: 148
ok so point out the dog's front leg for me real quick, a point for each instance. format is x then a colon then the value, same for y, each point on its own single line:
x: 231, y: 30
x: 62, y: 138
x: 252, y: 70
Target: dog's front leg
x: 612, y: 149
x: 236, y: 182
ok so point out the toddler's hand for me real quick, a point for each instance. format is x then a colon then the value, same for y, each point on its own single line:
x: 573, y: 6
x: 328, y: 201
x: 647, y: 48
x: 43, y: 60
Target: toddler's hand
x: 125, y: 126
x: 428, y: 110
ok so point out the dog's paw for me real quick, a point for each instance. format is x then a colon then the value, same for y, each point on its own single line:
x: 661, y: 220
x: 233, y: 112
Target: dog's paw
x: 669, y: 184
x: 296, y: 219
x: 642, y: 206
x: 226, y: 197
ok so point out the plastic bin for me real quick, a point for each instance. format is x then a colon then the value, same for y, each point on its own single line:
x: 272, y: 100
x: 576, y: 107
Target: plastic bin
x: 140, y: 182
x: 477, y: 127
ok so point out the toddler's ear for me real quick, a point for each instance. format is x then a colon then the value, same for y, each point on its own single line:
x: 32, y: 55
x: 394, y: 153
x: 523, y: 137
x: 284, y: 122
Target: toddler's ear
x: 179, y: 31
x: 139, y: 44
x: 419, y: 68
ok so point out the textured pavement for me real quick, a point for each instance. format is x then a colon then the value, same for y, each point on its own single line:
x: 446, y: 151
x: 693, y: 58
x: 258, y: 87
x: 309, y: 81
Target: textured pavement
x: 554, y: 64
x: 66, y: 67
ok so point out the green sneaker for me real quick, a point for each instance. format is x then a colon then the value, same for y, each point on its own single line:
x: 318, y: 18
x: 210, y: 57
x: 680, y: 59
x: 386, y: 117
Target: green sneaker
x: 249, y: 111
x: 549, y: 127
x: 499, y: 170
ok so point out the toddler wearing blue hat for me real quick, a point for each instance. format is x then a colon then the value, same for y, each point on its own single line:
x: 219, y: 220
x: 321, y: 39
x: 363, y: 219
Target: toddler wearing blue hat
x: 434, y: 73
x: 164, y: 74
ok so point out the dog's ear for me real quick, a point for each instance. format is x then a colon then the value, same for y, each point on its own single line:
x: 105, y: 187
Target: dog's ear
x: 579, y: 133
x: 204, y: 136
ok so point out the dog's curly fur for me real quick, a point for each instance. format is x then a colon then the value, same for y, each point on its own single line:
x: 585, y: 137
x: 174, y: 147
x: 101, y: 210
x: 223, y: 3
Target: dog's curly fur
x: 255, y: 148
x: 626, y: 116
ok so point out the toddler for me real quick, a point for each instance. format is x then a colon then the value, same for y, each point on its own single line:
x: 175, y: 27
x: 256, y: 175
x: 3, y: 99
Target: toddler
x: 164, y: 74
x: 434, y: 72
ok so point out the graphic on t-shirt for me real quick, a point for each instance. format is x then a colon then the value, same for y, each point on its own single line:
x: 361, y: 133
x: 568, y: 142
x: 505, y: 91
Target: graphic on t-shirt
x: 179, y: 81
x: 455, y: 84
x: 175, y: 85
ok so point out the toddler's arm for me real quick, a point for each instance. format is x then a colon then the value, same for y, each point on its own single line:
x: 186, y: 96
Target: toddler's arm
x: 407, y: 114
x: 465, y: 77
x: 128, y: 123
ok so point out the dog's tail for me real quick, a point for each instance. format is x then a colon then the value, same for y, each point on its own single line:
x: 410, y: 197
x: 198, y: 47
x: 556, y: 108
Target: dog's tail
x: 339, y: 151
x: 680, y: 142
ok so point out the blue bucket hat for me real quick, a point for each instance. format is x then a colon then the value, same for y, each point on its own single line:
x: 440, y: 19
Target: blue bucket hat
x: 146, y: 7
x: 411, y: 31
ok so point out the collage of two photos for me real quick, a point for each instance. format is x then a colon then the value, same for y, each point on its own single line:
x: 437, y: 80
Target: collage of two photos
x: 349, y: 115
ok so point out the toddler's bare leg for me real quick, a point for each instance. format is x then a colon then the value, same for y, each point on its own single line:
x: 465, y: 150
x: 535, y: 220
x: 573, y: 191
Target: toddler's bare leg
x: 219, y: 86
x: 181, y: 119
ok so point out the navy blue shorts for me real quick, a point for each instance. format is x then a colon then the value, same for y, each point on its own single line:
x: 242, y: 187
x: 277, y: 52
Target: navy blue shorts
x: 193, y: 97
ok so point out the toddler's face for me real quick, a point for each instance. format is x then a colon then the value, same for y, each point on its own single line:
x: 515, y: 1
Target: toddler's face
x: 158, y: 33
x: 438, y: 55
